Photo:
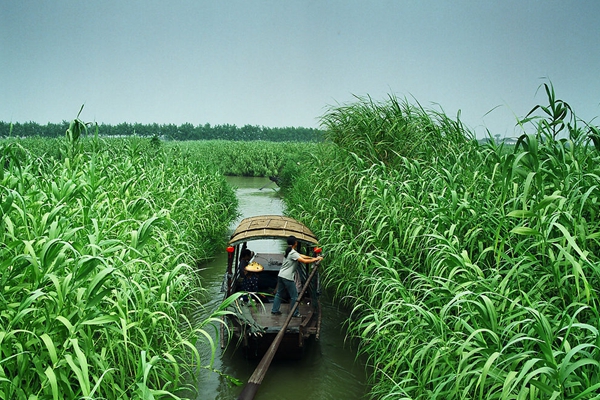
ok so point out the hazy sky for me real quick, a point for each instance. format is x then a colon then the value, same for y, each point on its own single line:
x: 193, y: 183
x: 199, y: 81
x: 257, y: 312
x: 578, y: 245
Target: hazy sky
x: 285, y: 63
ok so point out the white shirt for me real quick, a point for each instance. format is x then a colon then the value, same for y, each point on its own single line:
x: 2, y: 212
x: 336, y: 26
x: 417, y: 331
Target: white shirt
x: 289, y: 265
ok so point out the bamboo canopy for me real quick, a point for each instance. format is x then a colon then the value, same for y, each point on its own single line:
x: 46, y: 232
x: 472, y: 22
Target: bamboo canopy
x: 271, y: 227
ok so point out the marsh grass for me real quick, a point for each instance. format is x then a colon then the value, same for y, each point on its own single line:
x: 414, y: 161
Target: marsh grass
x: 472, y: 270
x: 100, y: 240
x: 255, y: 158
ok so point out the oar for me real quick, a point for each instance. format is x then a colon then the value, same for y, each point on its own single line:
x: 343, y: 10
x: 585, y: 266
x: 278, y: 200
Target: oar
x: 259, y: 373
x: 271, y: 179
x: 265, y: 185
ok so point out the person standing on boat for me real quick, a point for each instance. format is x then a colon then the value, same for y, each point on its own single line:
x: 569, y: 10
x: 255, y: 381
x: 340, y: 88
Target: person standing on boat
x: 285, y: 279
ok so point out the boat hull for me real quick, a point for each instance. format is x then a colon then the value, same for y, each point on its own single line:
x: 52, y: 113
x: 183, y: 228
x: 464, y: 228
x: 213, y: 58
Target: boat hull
x: 255, y: 328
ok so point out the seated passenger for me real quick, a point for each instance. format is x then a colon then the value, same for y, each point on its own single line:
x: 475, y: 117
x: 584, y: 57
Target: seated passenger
x: 245, y: 257
x: 250, y: 282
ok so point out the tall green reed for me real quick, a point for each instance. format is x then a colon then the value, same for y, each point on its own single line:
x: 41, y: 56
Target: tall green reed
x: 255, y: 158
x: 98, y: 272
x: 471, y: 270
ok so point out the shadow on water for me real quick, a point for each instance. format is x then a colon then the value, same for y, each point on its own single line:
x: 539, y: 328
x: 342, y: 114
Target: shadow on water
x: 328, y: 368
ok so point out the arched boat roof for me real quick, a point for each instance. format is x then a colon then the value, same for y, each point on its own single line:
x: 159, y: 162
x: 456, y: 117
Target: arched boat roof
x: 271, y: 227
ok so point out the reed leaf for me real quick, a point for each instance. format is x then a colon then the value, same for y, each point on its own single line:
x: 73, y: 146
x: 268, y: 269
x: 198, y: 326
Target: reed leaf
x: 490, y: 252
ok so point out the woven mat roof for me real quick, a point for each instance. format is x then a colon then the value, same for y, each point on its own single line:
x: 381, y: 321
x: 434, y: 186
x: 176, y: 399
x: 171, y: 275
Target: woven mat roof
x: 271, y: 227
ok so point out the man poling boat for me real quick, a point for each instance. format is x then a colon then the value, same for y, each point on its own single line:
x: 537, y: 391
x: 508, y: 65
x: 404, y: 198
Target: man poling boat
x: 254, y: 328
x: 255, y: 380
x: 282, y: 310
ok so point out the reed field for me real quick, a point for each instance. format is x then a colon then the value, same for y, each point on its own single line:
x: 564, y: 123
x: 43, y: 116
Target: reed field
x: 472, y: 271
x: 98, y: 266
x: 253, y: 158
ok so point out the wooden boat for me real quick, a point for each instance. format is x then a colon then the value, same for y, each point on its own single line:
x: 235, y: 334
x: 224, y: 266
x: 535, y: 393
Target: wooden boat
x: 252, y: 324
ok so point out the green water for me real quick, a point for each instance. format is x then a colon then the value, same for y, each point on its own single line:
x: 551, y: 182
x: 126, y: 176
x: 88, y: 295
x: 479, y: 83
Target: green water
x: 327, y: 370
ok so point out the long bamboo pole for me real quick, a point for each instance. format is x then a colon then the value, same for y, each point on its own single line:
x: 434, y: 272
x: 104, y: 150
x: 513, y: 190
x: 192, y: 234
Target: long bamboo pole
x: 259, y: 373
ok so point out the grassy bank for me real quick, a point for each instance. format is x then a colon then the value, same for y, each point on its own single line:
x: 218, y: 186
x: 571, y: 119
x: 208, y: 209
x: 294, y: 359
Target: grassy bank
x: 472, y: 271
x: 100, y: 240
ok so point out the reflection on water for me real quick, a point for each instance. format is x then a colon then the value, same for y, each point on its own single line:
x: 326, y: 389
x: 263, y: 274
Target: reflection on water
x: 327, y: 370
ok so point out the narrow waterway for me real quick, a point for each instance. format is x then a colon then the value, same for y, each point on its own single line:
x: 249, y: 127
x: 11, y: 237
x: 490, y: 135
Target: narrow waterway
x: 328, y: 368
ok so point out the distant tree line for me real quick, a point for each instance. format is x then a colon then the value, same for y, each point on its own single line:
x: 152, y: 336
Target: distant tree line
x: 185, y: 131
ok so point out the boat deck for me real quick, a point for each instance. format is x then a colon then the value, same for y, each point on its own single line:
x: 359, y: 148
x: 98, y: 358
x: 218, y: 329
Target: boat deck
x: 261, y: 313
